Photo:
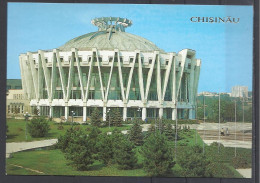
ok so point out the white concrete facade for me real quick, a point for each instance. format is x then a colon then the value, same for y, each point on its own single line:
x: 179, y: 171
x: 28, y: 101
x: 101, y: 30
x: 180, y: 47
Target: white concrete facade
x: 148, y: 81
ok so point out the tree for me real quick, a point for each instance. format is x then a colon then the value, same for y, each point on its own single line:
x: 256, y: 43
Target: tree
x: 157, y: 155
x: 115, y: 117
x: 93, y: 136
x: 65, y: 140
x: 194, y: 163
x: 169, y: 132
x: 38, y: 127
x: 80, y: 150
x: 135, y: 134
x: 105, y: 148
x: 95, y: 118
x: 125, y: 155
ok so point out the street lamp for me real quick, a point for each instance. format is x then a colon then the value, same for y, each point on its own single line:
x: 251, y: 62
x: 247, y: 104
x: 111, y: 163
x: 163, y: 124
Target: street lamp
x: 138, y: 110
x: 108, y: 111
x: 72, y: 114
x: 26, y: 115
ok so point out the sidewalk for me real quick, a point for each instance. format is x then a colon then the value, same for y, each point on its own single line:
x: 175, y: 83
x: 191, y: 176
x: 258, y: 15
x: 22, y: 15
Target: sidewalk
x: 21, y: 146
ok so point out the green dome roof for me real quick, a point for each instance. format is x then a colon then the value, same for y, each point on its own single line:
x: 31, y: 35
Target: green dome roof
x: 109, y: 37
x: 119, y: 40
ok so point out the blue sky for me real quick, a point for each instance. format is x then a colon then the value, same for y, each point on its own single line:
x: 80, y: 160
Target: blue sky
x: 225, y: 49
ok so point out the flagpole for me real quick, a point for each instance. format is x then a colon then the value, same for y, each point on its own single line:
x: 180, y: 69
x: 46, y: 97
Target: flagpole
x: 203, y: 124
x: 235, y: 128
x: 197, y: 119
x: 243, y: 118
x: 176, y: 129
x: 218, y: 122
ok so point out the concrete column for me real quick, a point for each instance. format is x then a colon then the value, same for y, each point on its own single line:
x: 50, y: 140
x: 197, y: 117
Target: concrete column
x: 39, y: 110
x: 124, y: 113
x: 174, y: 113
x: 191, y: 114
x: 143, y: 113
x: 51, y: 111
x: 84, y: 113
x: 104, y: 113
x: 66, y: 111
x: 160, y: 113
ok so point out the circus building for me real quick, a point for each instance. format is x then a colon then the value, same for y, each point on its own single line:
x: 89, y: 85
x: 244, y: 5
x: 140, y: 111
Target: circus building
x: 111, y: 68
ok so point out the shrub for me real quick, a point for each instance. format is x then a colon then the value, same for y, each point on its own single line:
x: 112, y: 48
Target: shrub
x: 240, y: 162
x: 105, y: 148
x: 135, y: 134
x: 194, y: 162
x: 80, y: 150
x: 157, y: 155
x: 169, y: 132
x: 63, y: 141
x: 116, y: 118
x: 95, y: 118
x: 124, y: 155
x: 38, y: 127
x: 60, y: 126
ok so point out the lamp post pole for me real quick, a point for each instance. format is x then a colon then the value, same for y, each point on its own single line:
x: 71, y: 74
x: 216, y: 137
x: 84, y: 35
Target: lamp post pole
x: 109, y: 118
x: 176, y: 129
x: 26, y: 119
x: 72, y: 115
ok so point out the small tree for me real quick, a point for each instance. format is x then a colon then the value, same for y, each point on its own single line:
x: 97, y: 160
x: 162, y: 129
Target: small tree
x: 65, y: 140
x: 95, y: 118
x: 135, y: 134
x: 80, y: 150
x: 194, y: 163
x: 157, y: 154
x: 105, y: 148
x: 169, y: 132
x: 116, y: 118
x: 125, y: 155
x: 38, y: 127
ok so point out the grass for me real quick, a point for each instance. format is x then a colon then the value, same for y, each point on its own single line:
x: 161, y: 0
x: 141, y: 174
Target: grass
x: 17, y: 128
x: 52, y: 162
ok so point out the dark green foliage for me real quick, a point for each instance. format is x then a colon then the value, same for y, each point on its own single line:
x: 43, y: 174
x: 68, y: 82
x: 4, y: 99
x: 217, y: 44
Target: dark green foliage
x: 124, y: 154
x: 105, y: 148
x: 227, y: 109
x: 63, y: 141
x: 93, y: 136
x: 7, y: 130
x: 240, y: 162
x: 193, y: 162
x: 38, y: 127
x: 135, y: 134
x: 157, y: 155
x: 95, y: 118
x: 80, y: 150
x: 169, y: 132
x: 60, y: 126
x: 116, y: 117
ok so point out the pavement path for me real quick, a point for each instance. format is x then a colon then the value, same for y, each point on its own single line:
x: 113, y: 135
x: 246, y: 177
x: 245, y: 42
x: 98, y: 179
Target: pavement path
x: 246, y: 173
x: 21, y: 146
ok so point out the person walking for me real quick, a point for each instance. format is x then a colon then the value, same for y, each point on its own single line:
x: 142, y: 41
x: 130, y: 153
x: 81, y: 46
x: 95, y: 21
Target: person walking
x: 227, y: 132
x: 222, y: 132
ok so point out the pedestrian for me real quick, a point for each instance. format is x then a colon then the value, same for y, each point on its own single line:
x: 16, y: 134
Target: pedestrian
x: 222, y: 132
x: 227, y: 132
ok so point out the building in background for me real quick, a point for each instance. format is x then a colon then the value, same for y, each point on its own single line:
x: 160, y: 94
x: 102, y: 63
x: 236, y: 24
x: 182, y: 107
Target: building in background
x: 239, y: 91
x: 16, y: 103
x: 111, y: 68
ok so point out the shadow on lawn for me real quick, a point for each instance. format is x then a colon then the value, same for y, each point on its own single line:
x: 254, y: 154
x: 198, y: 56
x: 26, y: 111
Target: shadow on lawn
x: 96, y: 167
x: 11, y: 136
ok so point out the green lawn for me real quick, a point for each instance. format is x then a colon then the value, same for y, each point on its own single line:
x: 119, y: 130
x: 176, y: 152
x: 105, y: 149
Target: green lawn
x: 52, y: 161
x: 17, y: 129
